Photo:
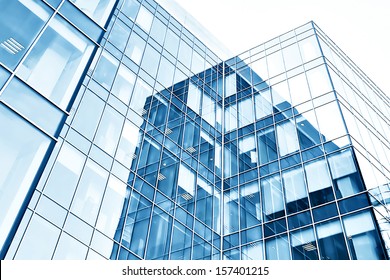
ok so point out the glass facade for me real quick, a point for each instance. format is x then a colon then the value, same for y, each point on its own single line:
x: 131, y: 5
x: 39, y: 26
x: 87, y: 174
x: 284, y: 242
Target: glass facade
x: 139, y: 142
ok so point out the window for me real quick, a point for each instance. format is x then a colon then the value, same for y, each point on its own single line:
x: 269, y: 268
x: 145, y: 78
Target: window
x: 295, y: 190
x: 70, y: 50
x: 135, y: 48
x: 65, y: 174
x: 17, y: 35
x: 273, y: 202
x: 130, y: 8
x: 250, y: 205
x: 119, y: 34
x: 267, y: 145
x: 144, y: 19
x: 331, y: 241
x: 277, y: 248
x: 150, y: 60
x: 31, y: 105
x: 303, y: 245
x: 287, y: 138
x: 124, y: 84
x: 87, y: 200
x: 22, y: 151
x: 362, y: 236
x: 109, y: 130
x: 39, y: 240
x: 318, y: 181
x: 98, y: 10
x: 111, y: 207
x: 106, y: 69
x: 86, y: 120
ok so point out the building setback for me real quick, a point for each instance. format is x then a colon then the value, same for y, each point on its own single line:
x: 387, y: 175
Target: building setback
x: 123, y: 136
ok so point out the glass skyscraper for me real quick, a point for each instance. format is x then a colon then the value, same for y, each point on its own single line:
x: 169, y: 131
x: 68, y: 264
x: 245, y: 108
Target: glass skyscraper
x: 124, y: 136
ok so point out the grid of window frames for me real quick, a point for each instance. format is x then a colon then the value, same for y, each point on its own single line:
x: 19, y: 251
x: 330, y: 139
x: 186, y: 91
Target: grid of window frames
x: 186, y: 157
x: 30, y: 84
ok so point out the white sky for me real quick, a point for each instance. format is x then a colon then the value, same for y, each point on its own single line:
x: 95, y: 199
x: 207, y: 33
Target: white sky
x: 361, y: 28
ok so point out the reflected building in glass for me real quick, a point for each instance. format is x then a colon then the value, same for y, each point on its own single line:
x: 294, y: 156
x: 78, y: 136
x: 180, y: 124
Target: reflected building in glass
x: 124, y: 136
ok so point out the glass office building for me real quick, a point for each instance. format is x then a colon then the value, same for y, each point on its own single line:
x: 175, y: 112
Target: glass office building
x: 124, y: 136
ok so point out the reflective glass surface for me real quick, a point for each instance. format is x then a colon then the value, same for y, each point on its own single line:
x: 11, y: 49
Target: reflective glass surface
x: 69, y: 49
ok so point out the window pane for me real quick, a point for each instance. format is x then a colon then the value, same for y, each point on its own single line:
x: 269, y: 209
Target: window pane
x: 345, y: 177
x: 17, y: 35
x: 319, y: 183
x: 65, y: 174
x: 142, y: 93
x: 98, y: 10
x: 194, y: 97
x: 22, y: 150
x: 267, y: 145
x: 277, y: 248
x: 119, y: 34
x: 295, y: 190
x: 39, y: 240
x: 124, y: 84
x: 363, y: 240
x: 144, y: 19
x: 331, y: 241
x: 250, y: 214
x: 273, y: 202
x: 330, y: 121
x: 299, y: 89
x: 158, y: 31
x: 127, y: 144
x: 171, y: 42
x: 245, y: 112
x: 111, y: 207
x: 26, y: 101
x: 309, y: 49
x: 86, y: 120
x: 287, y: 138
x: 303, y: 245
x: 69, y: 248
x: 150, y: 61
x: 291, y: 56
x: 87, y: 199
x: 135, y: 48
x: 263, y: 104
x: 319, y: 81
x: 70, y: 50
x: 109, y: 130
x: 106, y: 69
x: 247, y: 153
x: 130, y: 8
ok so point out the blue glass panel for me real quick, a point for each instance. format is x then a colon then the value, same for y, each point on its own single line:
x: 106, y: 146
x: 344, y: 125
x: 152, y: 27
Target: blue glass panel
x: 4, y: 75
x: 22, y: 149
x: 31, y: 105
x: 17, y: 35
x: 71, y: 51
x: 277, y: 248
x: 354, y: 203
x: 325, y: 212
x: 331, y: 241
x: 299, y: 220
x: 98, y: 10
x: 363, y: 239
x: 86, y: 120
x: 303, y: 244
x: 159, y: 236
x: 39, y: 241
x: 81, y: 21
x: 54, y: 3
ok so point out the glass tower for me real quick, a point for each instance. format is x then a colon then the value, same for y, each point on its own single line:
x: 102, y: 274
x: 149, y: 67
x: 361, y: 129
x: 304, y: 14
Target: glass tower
x: 132, y: 139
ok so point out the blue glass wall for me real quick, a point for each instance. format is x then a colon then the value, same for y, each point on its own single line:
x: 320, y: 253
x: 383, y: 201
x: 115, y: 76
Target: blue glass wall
x: 168, y: 152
